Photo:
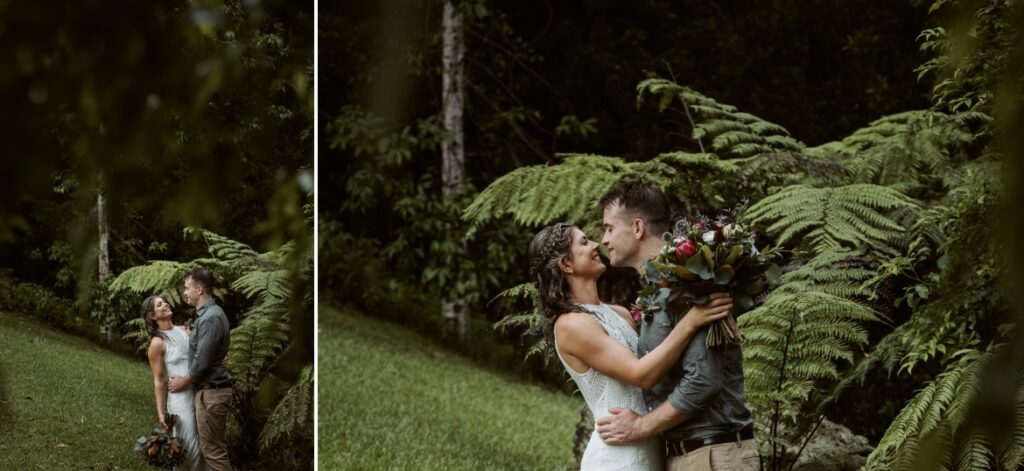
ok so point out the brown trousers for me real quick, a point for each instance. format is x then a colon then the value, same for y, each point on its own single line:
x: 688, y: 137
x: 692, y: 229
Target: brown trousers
x: 211, y: 420
x: 733, y: 456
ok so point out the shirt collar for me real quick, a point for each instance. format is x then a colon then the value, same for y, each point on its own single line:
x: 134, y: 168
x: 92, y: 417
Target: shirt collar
x: 203, y: 308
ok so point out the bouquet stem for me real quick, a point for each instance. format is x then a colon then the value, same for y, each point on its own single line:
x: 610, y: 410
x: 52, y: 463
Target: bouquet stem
x: 724, y: 331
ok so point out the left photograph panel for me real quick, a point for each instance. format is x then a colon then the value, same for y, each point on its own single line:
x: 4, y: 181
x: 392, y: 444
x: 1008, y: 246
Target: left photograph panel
x: 156, y: 235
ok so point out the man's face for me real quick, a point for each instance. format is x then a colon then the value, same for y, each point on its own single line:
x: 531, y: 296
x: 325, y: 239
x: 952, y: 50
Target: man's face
x: 192, y: 291
x: 620, y: 238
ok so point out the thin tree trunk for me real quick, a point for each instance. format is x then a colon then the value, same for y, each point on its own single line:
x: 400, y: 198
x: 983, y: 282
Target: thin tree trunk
x: 453, y: 162
x: 104, y: 247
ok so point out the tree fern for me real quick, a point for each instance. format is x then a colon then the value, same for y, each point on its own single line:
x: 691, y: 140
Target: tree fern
x: 538, y: 194
x: 528, y: 322
x: 936, y: 419
x: 221, y: 247
x: 791, y: 343
x: 159, y: 277
x: 263, y: 286
x: 293, y: 414
x: 912, y: 152
x: 254, y: 345
x: 852, y: 217
x: 720, y: 128
x: 836, y: 272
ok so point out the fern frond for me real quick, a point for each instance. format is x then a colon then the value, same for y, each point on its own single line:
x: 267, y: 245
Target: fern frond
x: 254, y: 346
x: 719, y: 127
x: 263, y: 286
x: 221, y: 247
x: 568, y: 191
x: 160, y: 278
x: 792, y: 342
x: 293, y: 415
x: 942, y: 407
x: 851, y: 217
x: 910, y: 152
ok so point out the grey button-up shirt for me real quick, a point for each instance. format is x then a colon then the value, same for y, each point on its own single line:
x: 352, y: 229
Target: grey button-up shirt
x: 208, y: 346
x: 706, y: 383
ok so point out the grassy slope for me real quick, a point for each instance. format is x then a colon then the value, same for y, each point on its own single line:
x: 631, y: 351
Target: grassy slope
x: 66, y: 403
x: 388, y: 399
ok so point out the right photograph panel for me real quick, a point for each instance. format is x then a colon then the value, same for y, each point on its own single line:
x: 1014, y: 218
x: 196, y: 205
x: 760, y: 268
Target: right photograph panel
x: 668, y: 235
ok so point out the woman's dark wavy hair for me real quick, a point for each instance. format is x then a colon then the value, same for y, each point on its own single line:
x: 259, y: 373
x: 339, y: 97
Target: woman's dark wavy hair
x: 151, y: 327
x: 550, y: 246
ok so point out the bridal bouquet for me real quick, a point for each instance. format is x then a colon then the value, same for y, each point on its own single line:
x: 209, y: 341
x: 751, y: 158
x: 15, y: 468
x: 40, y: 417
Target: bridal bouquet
x: 161, y: 449
x: 702, y: 256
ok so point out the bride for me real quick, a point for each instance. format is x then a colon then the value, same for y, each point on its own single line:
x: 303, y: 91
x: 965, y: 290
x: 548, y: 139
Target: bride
x: 597, y: 342
x: 168, y: 356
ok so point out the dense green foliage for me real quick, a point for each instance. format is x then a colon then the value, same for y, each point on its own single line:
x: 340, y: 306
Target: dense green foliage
x: 392, y: 399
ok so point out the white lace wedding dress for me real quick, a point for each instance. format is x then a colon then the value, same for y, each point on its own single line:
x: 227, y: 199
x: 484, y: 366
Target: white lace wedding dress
x: 181, y: 403
x: 602, y: 392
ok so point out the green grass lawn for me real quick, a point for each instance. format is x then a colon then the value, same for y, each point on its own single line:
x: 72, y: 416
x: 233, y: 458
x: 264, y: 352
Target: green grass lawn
x: 66, y: 403
x: 389, y: 399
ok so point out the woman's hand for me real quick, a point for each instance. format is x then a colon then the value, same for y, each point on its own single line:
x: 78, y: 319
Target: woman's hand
x: 718, y: 306
x: 163, y: 421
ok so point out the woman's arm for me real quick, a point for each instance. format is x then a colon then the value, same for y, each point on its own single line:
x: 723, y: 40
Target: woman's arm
x: 156, y: 364
x: 581, y: 337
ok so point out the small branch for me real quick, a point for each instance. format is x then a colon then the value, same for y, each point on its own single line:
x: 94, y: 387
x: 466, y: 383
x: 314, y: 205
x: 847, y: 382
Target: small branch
x: 806, y: 441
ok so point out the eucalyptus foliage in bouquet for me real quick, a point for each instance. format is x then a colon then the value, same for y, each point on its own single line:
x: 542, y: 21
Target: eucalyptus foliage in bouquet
x: 703, y: 256
x: 161, y: 449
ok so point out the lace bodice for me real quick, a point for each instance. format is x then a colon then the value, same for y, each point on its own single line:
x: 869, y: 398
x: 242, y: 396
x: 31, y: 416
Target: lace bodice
x: 601, y: 392
x: 176, y: 354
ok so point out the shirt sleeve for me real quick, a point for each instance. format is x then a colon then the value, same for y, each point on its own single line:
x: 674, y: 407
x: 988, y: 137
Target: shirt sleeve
x: 209, y: 333
x: 702, y: 376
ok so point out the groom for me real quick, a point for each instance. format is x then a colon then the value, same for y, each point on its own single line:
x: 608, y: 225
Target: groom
x: 208, y: 346
x: 698, y: 408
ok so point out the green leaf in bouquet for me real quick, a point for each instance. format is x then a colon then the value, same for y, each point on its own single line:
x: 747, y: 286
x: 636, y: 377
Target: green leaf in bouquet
x: 733, y: 254
x: 651, y: 271
x: 709, y: 257
x: 754, y: 287
x: 698, y: 266
x: 773, y: 275
x: 678, y: 270
x: 140, y: 445
x: 701, y: 300
x: 724, y: 275
x: 741, y: 302
x: 647, y: 291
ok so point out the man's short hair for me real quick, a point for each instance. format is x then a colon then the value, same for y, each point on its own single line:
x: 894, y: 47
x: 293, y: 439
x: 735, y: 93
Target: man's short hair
x: 202, y: 277
x: 639, y: 200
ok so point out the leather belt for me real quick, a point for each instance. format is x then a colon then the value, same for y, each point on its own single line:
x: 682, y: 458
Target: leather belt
x: 682, y: 447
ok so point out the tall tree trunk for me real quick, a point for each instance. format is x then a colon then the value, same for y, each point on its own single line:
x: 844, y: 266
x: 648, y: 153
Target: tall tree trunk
x: 103, y: 263
x: 453, y: 166
x: 104, y: 228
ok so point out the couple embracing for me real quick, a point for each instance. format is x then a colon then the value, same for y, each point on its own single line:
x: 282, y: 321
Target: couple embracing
x: 189, y: 376
x: 663, y: 398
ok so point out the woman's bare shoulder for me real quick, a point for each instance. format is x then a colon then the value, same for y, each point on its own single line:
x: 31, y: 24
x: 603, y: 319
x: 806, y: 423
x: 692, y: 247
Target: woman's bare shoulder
x: 157, y: 345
